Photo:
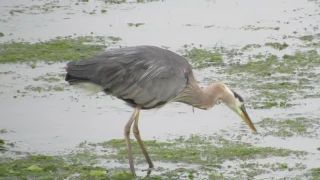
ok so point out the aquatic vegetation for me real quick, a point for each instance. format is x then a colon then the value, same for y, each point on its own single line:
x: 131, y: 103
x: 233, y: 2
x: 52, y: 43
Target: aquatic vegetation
x: 135, y: 24
x: 5, y: 145
x: 297, y: 126
x: 306, y: 38
x: 2, y: 141
x: 44, y: 166
x: 284, y: 165
x: 45, y: 88
x: 41, y: 8
x: 201, y: 58
x: 114, y: 39
x: 206, y: 152
x: 315, y: 44
x: 3, y: 131
x: 195, y: 149
x: 277, y: 45
x: 254, y: 28
x: 7, y: 72
x: 125, y: 1
x: 315, y: 172
x: 33, y: 64
x: 143, y: 1
x: 250, y: 46
x: 48, y: 77
x: 114, y: 1
x: 58, y: 49
x: 275, y: 80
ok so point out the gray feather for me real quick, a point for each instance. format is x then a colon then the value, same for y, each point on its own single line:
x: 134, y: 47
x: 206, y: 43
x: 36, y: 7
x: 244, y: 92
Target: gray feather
x: 145, y: 75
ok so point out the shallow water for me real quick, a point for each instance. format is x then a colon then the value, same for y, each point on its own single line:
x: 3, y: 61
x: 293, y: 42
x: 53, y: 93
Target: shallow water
x: 168, y: 23
x: 53, y: 121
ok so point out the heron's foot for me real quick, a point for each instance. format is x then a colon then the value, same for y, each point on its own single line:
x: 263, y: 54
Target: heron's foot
x: 149, y: 170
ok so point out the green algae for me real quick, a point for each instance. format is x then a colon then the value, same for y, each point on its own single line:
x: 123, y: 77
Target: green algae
x: 315, y: 172
x: 196, y: 150
x: 58, y: 49
x: 114, y: 38
x: 34, y: 167
x: 114, y: 1
x: 306, y: 38
x: 144, y: 1
x: 277, y: 45
x: 7, y: 72
x: 201, y: 58
x: 254, y: 28
x: 265, y: 67
x: 205, y: 153
x: 47, y: 7
x: 45, y: 88
x: 125, y: 1
x: 252, y: 169
x: 98, y: 173
x: 298, y: 126
x: 135, y: 24
x: 46, y: 167
x: 284, y: 166
x: 275, y: 81
x: 48, y: 77
x: 3, y: 131
x: 2, y: 144
x: 250, y: 46
x: 314, y: 44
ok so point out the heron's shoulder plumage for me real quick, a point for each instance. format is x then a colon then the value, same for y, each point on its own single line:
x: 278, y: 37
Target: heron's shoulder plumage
x: 144, y: 75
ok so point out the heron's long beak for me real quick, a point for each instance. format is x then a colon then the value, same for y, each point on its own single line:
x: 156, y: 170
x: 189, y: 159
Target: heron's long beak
x: 243, y: 113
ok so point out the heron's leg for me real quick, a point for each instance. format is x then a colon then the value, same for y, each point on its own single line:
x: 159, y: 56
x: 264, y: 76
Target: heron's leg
x: 127, y: 137
x: 137, y: 135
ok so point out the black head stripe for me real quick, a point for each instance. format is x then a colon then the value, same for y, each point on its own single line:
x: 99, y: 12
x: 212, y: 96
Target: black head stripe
x: 238, y: 96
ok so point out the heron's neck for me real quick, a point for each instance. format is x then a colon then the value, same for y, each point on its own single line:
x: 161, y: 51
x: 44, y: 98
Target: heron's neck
x: 202, y: 98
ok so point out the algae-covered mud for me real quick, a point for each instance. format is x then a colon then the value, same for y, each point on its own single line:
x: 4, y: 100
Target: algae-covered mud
x: 267, y: 51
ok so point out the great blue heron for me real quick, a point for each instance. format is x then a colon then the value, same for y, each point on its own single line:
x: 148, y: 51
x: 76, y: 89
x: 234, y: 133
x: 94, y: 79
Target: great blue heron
x: 147, y: 77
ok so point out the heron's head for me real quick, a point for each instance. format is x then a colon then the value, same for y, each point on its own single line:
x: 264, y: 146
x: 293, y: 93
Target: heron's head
x: 235, y: 102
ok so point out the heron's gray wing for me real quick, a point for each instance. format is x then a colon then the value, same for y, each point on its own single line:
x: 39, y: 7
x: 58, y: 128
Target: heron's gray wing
x: 89, y: 69
x: 146, y: 76
x: 148, y: 87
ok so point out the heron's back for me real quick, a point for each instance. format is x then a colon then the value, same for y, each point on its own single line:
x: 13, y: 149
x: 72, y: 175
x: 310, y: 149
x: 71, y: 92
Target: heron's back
x: 145, y: 75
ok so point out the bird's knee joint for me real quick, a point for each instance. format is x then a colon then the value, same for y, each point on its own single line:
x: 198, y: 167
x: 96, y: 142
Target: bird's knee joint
x: 126, y: 131
x: 136, y: 131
